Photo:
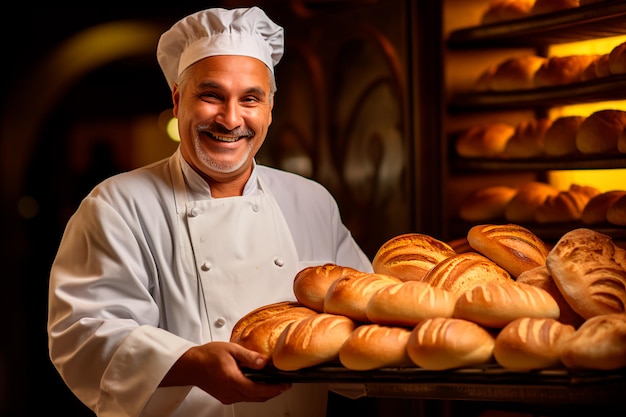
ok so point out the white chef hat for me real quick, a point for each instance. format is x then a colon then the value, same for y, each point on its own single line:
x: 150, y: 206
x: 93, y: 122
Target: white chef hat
x: 243, y: 31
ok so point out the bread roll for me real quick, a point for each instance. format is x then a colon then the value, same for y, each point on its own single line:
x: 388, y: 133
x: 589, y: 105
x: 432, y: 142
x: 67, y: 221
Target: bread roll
x: 595, y: 211
x: 371, y: 346
x: 528, y: 139
x: 598, y: 68
x: 599, y: 132
x: 560, y: 138
x: 496, y: 304
x: 484, y: 141
x: 551, y: 6
x: 349, y: 295
x: 530, y: 343
x: 464, y: 271
x: 503, y: 10
x: 590, y: 271
x: 515, y: 73
x: 408, y: 303
x: 311, y: 341
x: 566, y: 205
x: 447, y: 343
x: 599, y: 343
x: 410, y: 256
x: 311, y: 284
x: 486, y: 203
x: 522, y: 207
x: 259, y: 330
x: 562, y: 70
x: 616, y: 213
x: 513, y: 247
x: 617, y: 59
x: 540, y: 277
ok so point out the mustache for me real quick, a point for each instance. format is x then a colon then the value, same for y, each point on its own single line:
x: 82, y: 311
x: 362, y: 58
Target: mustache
x: 221, y: 130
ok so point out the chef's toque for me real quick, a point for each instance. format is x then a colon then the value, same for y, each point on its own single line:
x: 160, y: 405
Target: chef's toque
x: 243, y: 31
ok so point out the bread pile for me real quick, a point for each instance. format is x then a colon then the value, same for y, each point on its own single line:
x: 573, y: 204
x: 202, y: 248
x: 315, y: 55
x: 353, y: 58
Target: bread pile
x: 510, y: 301
x: 601, y: 133
x: 504, y: 10
x: 536, y: 202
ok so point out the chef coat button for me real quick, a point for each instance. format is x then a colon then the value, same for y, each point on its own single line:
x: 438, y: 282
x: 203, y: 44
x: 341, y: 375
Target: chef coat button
x: 255, y: 208
x: 279, y: 262
x: 194, y: 212
x: 220, y: 322
x: 206, y: 266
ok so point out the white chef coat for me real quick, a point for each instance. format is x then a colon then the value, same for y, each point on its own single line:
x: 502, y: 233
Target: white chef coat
x: 127, y: 300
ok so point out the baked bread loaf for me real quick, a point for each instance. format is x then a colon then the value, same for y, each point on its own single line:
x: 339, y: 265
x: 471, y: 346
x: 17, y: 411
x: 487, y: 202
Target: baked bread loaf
x: 442, y: 343
x: 595, y: 211
x: 515, y: 73
x: 531, y: 343
x: 496, y: 304
x: 408, y: 303
x: 349, y: 295
x: 599, y: 132
x: 259, y: 329
x: 503, y: 10
x: 599, y: 68
x: 599, y: 343
x: 311, y: 284
x: 562, y: 70
x: 551, y: 6
x: 513, y: 247
x: 410, y: 256
x: 560, y: 138
x: 616, y: 213
x: 311, y: 341
x: 566, y: 206
x: 464, y: 271
x: 528, y: 139
x: 530, y: 195
x: 371, y: 346
x: 486, y: 203
x: 540, y: 277
x: 590, y: 271
x: 484, y: 141
x: 617, y: 59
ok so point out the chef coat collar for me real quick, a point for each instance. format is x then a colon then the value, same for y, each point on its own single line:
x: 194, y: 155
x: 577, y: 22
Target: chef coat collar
x: 198, y: 188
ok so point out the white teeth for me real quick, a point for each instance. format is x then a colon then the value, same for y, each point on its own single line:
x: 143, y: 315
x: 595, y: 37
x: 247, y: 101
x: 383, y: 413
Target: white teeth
x: 225, y: 138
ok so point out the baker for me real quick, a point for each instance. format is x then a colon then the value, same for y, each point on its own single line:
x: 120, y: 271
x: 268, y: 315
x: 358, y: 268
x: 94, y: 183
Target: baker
x: 157, y: 264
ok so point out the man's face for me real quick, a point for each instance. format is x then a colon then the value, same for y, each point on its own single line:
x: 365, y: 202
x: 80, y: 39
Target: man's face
x: 224, y: 110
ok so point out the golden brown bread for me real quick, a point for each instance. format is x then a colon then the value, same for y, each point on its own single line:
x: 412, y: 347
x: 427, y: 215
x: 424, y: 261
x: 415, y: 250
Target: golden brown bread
x: 259, y: 329
x: 530, y: 195
x: 528, y: 139
x: 617, y: 59
x: 531, y: 343
x: 561, y: 70
x: 443, y: 343
x: 311, y: 341
x: 616, y: 213
x: 408, y: 303
x: 551, y: 6
x: 503, y: 10
x: 410, y: 256
x: 560, y: 138
x: 515, y: 73
x: 464, y: 271
x: 349, y: 295
x: 311, y: 284
x: 599, y: 132
x: 566, y: 206
x: 372, y: 346
x: 595, y: 212
x: 599, y: 343
x: 590, y: 272
x: 484, y: 141
x: 486, y: 203
x: 540, y: 277
x: 511, y: 246
x: 599, y: 68
x: 496, y: 304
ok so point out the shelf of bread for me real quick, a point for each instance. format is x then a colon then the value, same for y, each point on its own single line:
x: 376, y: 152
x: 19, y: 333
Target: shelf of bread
x: 574, y: 24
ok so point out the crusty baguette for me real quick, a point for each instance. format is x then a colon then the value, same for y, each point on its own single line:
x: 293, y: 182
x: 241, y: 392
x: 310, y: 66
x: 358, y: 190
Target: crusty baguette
x: 311, y: 284
x: 464, y: 271
x: 311, y: 341
x: 408, y: 303
x: 442, y: 343
x: 513, y: 247
x: 372, y: 346
x: 531, y: 343
x: 409, y: 256
x: 496, y: 304
x: 590, y: 271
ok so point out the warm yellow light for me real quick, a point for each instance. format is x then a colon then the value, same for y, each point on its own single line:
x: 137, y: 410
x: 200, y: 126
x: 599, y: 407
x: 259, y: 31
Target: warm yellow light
x: 172, y: 129
x: 602, y: 179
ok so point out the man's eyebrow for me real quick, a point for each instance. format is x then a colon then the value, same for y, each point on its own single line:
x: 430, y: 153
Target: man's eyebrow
x: 258, y: 91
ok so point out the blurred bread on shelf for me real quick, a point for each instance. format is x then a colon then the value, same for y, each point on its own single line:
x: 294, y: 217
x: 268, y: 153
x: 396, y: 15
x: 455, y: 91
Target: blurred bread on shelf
x: 530, y: 195
x: 600, y: 131
x: 484, y: 141
x: 503, y: 10
x: 528, y: 139
x: 617, y: 59
x: 560, y: 138
x: 550, y: 6
x: 515, y: 73
x: 596, y: 210
x: 562, y: 70
x: 486, y: 203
